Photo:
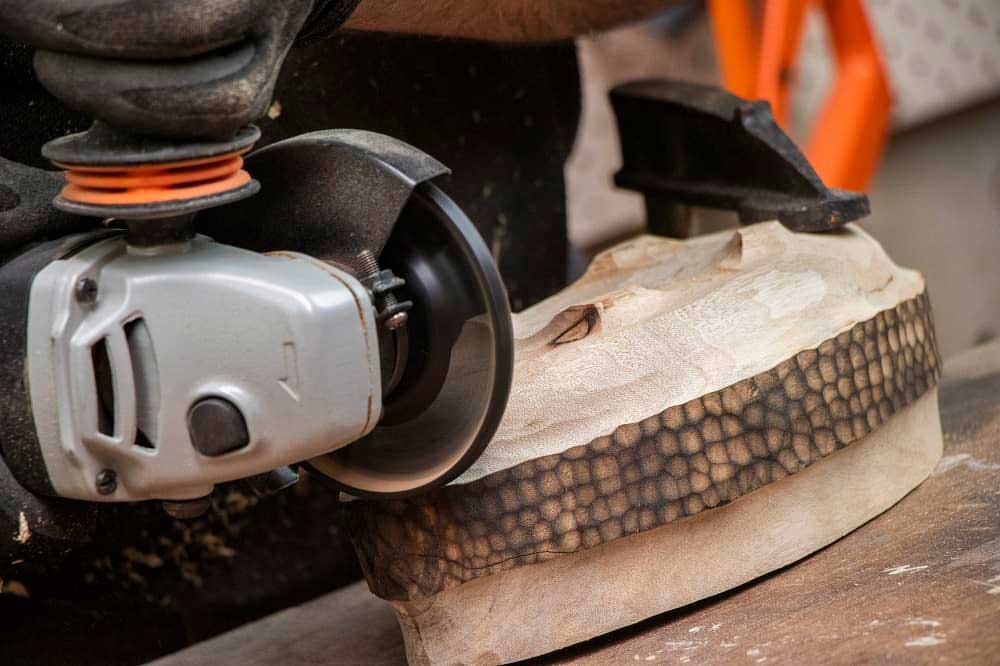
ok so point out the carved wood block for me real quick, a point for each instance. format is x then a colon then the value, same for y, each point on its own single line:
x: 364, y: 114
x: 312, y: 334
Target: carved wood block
x: 688, y: 416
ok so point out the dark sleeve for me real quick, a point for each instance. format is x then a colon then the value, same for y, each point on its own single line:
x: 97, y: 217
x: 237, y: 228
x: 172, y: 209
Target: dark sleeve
x: 325, y: 18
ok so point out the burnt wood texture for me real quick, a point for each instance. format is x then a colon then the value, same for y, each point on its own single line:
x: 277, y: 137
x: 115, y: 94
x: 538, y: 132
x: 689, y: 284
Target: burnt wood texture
x: 689, y: 458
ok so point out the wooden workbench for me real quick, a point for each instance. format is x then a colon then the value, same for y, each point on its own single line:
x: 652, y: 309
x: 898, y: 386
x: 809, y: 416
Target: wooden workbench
x: 920, y: 583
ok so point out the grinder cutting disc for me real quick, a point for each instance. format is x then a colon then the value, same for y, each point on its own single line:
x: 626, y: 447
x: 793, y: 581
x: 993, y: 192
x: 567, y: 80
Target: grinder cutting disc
x: 459, y: 367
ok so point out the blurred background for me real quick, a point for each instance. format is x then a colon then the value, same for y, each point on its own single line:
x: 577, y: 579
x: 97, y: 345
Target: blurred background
x: 935, y: 187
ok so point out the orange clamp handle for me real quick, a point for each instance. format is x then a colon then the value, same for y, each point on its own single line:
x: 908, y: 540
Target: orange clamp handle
x: 757, y: 58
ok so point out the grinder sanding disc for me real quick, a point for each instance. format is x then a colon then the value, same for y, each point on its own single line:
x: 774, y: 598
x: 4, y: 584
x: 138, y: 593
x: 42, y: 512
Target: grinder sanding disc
x: 447, y: 407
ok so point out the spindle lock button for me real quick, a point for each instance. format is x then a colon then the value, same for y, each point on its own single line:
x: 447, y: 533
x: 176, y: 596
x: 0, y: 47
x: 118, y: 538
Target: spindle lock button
x: 217, y: 427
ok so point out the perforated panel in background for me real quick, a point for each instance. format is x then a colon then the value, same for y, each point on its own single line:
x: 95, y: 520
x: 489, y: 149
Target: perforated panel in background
x: 942, y: 55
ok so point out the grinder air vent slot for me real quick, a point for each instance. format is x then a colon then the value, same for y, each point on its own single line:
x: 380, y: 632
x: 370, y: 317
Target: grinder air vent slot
x: 146, y: 378
x: 105, y: 385
x: 113, y: 400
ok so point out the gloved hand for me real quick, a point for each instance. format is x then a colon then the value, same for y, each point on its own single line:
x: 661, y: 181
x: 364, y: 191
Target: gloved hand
x: 26, y: 210
x: 179, y: 69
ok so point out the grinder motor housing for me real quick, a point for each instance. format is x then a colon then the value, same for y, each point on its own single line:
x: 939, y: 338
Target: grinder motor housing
x: 155, y: 362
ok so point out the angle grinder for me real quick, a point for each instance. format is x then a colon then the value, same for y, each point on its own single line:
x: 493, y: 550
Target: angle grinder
x: 334, y: 310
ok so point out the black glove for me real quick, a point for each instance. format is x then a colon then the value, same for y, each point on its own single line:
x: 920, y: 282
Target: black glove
x: 26, y: 210
x: 326, y: 17
x: 178, y: 69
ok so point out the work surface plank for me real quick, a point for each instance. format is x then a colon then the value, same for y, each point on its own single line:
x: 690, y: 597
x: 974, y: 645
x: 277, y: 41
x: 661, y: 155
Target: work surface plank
x: 920, y: 583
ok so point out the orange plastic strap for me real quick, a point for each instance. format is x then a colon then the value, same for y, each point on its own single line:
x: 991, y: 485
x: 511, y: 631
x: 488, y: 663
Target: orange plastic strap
x: 852, y: 130
x: 737, y: 44
x: 850, y: 133
x: 154, y: 183
x: 782, y: 31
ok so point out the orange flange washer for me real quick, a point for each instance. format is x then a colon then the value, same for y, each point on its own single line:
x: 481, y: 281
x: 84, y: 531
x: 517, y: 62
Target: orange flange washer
x: 113, y: 174
x: 154, y: 183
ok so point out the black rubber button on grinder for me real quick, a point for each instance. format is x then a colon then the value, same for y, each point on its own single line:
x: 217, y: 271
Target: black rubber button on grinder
x: 217, y: 427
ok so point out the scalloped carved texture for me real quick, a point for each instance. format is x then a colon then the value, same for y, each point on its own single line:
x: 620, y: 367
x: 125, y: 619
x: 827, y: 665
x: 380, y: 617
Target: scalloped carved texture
x: 687, y: 459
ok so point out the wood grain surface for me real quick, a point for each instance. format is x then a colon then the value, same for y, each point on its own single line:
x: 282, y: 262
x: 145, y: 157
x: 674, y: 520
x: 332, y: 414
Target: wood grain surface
x: 918, y: 584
